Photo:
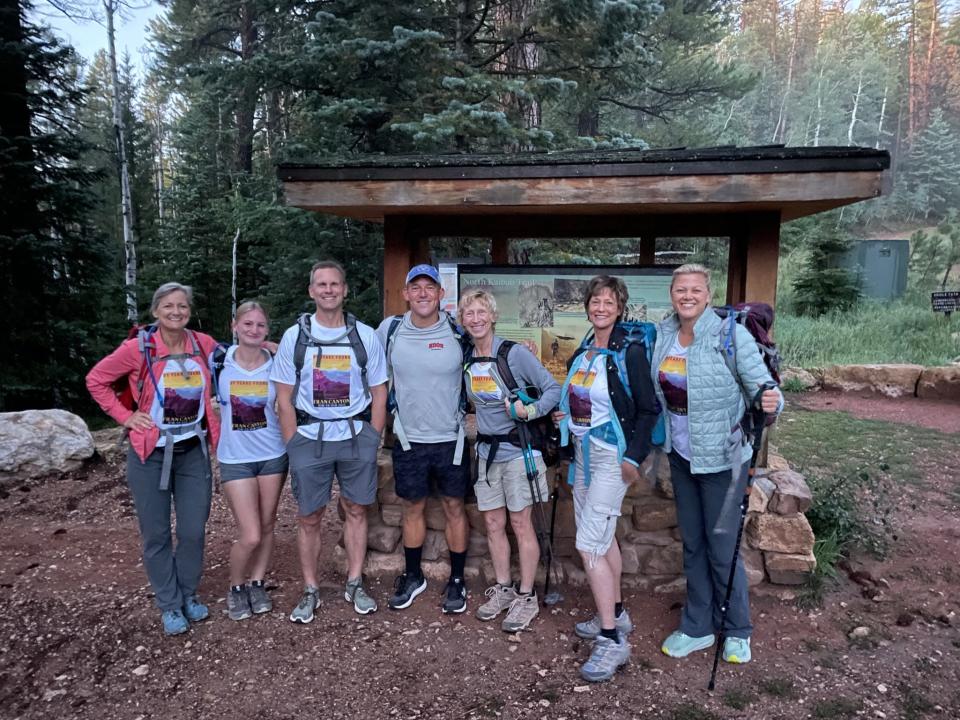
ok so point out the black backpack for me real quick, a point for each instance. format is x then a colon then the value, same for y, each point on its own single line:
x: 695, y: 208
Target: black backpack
x: 544, y: 435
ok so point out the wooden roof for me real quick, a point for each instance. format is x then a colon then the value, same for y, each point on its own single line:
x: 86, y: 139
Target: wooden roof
x: 794, y: 181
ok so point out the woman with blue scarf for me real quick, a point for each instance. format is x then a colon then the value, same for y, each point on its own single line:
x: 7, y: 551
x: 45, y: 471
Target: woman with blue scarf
x: 611, y: 422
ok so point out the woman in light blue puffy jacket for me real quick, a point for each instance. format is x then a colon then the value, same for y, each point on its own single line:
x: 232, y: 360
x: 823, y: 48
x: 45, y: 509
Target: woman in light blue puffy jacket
x: 704, y: 403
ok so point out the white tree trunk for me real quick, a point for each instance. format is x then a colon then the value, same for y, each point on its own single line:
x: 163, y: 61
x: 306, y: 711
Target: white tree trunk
x: 883, y: 111
x: 856, y: 105
x: 233, y: 285
x: 126, y: 204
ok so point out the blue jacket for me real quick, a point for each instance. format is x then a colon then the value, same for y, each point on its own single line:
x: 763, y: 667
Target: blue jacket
x: 715, y: 401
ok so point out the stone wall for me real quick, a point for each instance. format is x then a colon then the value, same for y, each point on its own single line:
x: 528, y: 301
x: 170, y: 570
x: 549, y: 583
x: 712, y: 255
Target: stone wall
x: 895, y: 381
x: 777, y: 547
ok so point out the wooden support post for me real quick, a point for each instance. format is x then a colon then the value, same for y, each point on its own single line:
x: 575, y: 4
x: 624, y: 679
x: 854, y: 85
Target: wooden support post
x: 500, y: 250
x: 646, y: 253
x: 754, y: 255
x: 398, y: 258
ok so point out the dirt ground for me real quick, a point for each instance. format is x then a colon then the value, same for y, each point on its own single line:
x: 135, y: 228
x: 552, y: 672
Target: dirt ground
x: 80, y: 638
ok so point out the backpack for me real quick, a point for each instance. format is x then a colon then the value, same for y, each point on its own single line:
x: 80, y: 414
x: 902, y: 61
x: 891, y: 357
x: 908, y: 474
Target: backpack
x: 305, y: 339
x: 757, y: 318
x: 147, y: 348
x: 544, y: 436
x: 635, y: 331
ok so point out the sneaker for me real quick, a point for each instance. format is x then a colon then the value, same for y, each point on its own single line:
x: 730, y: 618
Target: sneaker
x: 607, y: 656
x: 500, y: 598
x: 522, y: 611
x: 363, y: 604
x: 174, y: 623
x: 405, y: 589
x: 736, y: 650
x: 195, y: 610
x: 589, y: 629
x: 303, y: 612
x: 679, y: 645
x: 260, y: 601
x: 238, y: 604
x: 455, y: 600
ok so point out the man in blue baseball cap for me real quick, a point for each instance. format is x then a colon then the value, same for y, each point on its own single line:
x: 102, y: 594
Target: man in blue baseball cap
x: 425, y: 350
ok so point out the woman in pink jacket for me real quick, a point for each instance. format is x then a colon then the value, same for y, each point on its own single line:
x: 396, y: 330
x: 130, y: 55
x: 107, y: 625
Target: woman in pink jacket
x: 168, y: 460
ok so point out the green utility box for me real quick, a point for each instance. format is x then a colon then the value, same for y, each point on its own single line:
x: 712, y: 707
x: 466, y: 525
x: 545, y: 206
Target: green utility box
x: 880, y: 267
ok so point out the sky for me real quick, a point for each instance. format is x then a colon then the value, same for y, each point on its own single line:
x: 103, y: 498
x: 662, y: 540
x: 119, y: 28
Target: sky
x: 89, y: 36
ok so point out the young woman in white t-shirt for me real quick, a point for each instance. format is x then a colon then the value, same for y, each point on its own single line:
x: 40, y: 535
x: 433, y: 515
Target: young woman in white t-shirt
x: 253, y: 462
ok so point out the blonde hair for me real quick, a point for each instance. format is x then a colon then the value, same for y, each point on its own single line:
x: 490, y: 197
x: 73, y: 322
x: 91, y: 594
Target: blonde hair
x: 250, y: 306
x: 692, y: 269
x: 481, y: 296
x: 168, y: 288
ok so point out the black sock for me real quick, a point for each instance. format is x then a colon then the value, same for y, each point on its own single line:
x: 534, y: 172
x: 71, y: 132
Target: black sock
x: 611, y: 634
x: 618, y: 609
x: 458, y: 561
x: 256, y: 583
x: 236, y: 588
x: 412, y: 556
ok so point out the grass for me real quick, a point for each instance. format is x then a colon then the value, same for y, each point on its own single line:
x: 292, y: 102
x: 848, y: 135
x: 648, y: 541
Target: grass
x: 793, y: 385
x: 902, y: 331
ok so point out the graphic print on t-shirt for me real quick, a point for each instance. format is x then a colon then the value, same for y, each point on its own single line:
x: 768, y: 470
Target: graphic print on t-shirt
x: 248, y: 404
x: 581, y: 409
x: 331, y: 380
x: 673, y: 380
x: 182, y: 393
x: 484, y: 386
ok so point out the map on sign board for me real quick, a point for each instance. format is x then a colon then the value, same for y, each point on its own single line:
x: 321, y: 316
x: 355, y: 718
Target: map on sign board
x: 545, y: 303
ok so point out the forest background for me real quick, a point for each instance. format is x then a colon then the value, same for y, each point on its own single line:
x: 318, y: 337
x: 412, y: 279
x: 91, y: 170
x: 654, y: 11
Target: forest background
x: 230, y: 88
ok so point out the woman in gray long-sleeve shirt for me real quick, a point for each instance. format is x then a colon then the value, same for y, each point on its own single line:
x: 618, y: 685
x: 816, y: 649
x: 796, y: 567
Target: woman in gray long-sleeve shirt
x: 502, y: 487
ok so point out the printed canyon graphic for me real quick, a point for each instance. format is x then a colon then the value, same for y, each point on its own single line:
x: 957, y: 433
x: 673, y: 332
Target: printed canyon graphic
x: 248, y: 404
x: 331, y: 381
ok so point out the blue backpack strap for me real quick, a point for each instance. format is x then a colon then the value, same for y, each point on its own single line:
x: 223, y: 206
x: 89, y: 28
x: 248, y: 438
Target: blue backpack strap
x: 217, y: 360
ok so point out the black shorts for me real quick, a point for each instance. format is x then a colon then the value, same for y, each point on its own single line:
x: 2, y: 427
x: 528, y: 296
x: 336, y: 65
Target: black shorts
x: 427, y: 468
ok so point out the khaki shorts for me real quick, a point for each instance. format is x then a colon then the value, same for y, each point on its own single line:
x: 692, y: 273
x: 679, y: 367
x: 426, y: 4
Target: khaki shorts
x: 596, y: 508
x: 508, y: 485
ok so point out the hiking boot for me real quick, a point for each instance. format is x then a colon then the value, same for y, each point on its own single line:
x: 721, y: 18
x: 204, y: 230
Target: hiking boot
x: 303, y: 612
x: 260, y: 601
x: 405, y: 589
x: 607, y: 656
x: 737, y: 650
x: 363, y: 604
x: 589, y: 629
x: 455, y: 599
x: 679, y: 645
x: 500, y: 598
x: 522, y: 611
x: 238, y: 604
x: 174, y: 623
x: 195, y: 610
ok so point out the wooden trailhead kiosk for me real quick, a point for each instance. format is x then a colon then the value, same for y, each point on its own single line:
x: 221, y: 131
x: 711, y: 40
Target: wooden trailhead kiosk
x: 740, y: 193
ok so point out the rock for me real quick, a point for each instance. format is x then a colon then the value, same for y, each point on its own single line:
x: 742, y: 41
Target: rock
x: 575, y: 576
x: 392, y: 515
x: 789, y: 569
x: 861, y: 631
x: 377, y: 564
x: 477, y: 545
x: 387, y: 494
x: 141, y: 670
x: 665, y: 486
x: 894, y: 381
x: 798, y: 375
x: 475, y: 518
x: 654, y: 513
x: 776, y: 462
x: 434, y: 545
x: 792, y: 494
x: 666, y: 560
x: 566, y: 526
x: 940, y: 383
x: 384, y: 468
x: 651, y: 537
x: 753, y: 565
x: 630, y: 559
x: 373, y: 512
x: 763, y: 489
x: 34, y: 443
x: 434, y: 515
x: 789, y: 534
x: 624, y: 523
x: 109, y: 442
x: 678, y: 585
x: 382, y: 538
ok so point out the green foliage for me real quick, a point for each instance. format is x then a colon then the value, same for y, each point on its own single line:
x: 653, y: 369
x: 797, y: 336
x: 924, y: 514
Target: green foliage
x: 823, y: 285
x: 933, y: 254
x: 793, y: 385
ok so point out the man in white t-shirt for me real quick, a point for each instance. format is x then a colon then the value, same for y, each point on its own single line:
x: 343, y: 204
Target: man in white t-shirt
x: 330, y: 376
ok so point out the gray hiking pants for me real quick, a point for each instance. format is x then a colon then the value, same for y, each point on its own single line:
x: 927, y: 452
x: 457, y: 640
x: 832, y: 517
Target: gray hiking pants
x: 706, y: 554
x: 173, y: 574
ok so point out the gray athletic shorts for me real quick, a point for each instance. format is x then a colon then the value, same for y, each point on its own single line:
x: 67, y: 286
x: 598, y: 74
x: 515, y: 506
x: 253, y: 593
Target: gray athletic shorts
x: 597, y: 507
x: 508, y: 485
x: 238, y: 471
x: 311, y: 477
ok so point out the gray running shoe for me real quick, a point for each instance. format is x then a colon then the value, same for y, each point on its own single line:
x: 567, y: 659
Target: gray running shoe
x: 238, y: 604
x: 589, y: 629
x: 522, y: 611
x: 607, y: 657
x: 500, y: 597
x: 363, y: 604
x: 303, y: 612
x: 260, y: 601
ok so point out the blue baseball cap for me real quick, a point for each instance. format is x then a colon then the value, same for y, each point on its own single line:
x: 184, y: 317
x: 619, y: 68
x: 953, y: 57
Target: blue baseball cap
x: 423, y: 269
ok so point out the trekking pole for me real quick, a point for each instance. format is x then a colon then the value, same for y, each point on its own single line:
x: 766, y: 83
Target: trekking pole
x: 545, y: 540
x: 554, y: 597
x: 757, y: 420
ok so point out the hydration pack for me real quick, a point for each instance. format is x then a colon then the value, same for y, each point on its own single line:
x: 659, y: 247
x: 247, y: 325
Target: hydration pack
x: 757, y: 318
